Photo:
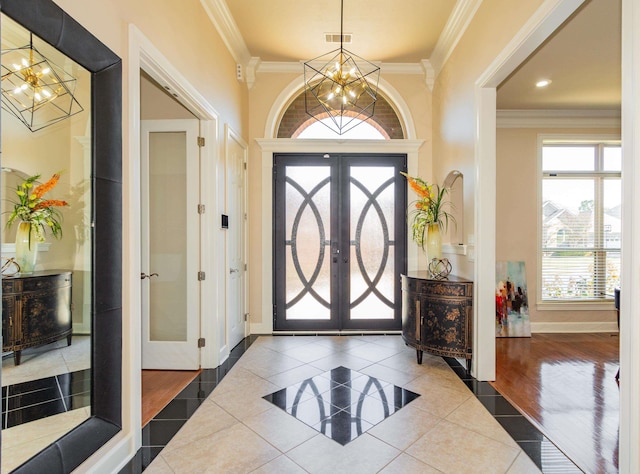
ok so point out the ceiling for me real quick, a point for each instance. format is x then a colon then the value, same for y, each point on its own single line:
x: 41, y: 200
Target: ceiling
x: 291, y: 30
x: 582, y: 59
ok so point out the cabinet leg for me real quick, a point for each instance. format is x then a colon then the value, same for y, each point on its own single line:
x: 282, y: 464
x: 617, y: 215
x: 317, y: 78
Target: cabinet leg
x: 16, y: 357
x: 419, y: 356
x: 468, y: 366
x: 69, y: 340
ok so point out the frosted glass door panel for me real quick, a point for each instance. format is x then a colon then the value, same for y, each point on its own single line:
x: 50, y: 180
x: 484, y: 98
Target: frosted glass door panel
x: 372, y: 266
x: 307, y: 244
x: 167, y: 238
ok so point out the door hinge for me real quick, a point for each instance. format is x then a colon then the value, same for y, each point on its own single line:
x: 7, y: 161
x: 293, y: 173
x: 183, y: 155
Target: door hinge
x: 245, y: 267
x: 246, y: 317
x: 200, y: 141
x: 201, y: 276
x: 201, y: 209
x: 201, y: 342
x: 244, y: 165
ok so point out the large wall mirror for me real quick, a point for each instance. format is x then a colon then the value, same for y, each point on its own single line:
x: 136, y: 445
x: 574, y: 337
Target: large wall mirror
x: 61, y: 320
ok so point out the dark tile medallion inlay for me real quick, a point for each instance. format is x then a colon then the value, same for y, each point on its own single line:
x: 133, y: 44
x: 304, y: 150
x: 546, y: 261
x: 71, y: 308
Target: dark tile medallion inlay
x: 342, y: 403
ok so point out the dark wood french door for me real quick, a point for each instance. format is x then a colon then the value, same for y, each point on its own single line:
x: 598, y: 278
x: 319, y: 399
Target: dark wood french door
x: 339, y: 241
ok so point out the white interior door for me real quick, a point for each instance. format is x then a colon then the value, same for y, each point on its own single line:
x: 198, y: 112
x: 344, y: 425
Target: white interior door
x: 170, y: 234
x: 236, y: 159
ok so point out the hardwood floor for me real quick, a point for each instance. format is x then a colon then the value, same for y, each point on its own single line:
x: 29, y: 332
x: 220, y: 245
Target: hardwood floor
x: 565, y: 384
x: 159, y: 387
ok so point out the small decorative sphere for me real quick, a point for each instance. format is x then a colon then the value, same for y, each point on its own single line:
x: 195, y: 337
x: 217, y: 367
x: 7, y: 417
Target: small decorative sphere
x: 439, y: 268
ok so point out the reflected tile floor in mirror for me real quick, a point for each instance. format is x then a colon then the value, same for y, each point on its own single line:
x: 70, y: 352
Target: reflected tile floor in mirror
x: 44, y: 397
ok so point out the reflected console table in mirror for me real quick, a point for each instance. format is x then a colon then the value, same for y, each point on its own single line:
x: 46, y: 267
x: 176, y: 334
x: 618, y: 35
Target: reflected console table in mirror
x: 36, y: 310
x: 47, y: 21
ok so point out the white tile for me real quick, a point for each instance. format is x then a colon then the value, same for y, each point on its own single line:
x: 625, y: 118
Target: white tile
x: 374, y: 352
x: 206, y: 421
x: 523, y: 465
x: 365, y: 455
x: 405, y: 427
x: 452, y: 448
x: 295, y: 375
x: 234, y: 449
x: 280, y: 465
x: 405, y: 464
x: 387, y: 374
x: 309, y: 352
x: 474, y: 416
x: 338, y: 359
x: 280, y: 429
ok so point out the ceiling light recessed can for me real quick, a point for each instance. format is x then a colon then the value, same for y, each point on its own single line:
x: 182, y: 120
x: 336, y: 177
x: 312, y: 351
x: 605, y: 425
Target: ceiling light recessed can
x: 543, y: 83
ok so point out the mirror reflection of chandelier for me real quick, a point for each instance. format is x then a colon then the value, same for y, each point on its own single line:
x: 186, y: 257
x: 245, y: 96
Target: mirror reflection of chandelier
x: 35, y: 90
x: 342, y: 86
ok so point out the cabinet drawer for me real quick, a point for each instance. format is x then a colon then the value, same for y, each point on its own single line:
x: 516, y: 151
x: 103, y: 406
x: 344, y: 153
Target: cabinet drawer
x: 46, y: 282
x: 10, y: 286
x: 437, y: 288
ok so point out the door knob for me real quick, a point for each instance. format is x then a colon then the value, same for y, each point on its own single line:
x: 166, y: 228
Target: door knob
x: 144, y: 275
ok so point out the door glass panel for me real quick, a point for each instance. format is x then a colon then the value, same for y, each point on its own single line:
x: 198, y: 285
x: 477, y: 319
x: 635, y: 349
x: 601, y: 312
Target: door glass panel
x: 167, y: 242
x: 307, y: 242
x: 372, y: 202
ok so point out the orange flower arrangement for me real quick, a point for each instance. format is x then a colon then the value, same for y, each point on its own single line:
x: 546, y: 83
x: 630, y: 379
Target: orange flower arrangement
x: 32, y: 208
x: 428, y: 209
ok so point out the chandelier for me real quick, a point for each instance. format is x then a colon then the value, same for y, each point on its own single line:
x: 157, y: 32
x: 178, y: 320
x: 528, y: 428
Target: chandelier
x: 35, y: 90
x: 341, y: 86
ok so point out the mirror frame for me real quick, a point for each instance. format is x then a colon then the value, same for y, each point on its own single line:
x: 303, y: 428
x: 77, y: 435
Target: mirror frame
x: 48, y: 21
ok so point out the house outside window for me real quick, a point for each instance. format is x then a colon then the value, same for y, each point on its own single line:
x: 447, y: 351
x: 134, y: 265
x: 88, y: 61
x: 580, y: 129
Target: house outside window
x: 580, y: 220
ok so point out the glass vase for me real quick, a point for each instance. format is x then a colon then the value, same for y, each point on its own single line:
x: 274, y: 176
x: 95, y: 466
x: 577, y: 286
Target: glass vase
x: 26, y: 247
x: 433, y: 242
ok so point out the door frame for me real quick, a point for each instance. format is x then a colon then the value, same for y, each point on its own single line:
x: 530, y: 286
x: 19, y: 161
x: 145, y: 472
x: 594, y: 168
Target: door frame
x: 231, y: 136
x: 144, y: 55
x: 268, y: 147
x: 340, y: 189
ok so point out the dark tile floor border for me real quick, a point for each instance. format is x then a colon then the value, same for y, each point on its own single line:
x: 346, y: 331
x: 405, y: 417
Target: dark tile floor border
x: 539, y: 448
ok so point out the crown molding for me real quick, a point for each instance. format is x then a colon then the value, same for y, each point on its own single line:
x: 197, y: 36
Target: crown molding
x: 429, y: 73
x: 293, y: 67
x: 227, y: 28
x: 558, y: 118
x: 457, y: 23
x: 221, y: 17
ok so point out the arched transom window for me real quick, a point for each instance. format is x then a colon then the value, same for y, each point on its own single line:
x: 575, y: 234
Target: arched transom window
x: 384, y: 124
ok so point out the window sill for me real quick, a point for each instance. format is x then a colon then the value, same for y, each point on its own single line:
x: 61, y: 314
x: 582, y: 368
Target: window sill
x: 9, y: 249
x: 455, y: 249
x: 576, y: 306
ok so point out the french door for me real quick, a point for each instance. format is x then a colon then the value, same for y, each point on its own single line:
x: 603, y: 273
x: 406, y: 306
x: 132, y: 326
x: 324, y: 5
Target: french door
x: 339, y: 241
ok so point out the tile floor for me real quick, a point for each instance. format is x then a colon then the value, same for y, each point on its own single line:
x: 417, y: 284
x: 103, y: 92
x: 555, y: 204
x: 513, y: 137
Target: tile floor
x: 44, y: 397
x: 232, y: 428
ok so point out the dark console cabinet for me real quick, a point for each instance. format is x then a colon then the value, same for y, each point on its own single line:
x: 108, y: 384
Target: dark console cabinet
x: 36, y: 310
x: 437, y: 315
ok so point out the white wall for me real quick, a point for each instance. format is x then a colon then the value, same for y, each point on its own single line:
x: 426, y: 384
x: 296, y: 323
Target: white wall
x: 517, y: 222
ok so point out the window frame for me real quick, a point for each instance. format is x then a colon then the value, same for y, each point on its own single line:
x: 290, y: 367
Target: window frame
x: 596, y: 304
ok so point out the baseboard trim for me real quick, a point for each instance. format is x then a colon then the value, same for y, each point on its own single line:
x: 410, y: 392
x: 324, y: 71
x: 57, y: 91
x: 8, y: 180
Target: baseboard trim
x: 567, y: 327
x: 260, y: 328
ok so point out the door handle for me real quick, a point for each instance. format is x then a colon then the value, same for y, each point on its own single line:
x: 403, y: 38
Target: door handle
x: 233, y: 270
x: 144, y: 275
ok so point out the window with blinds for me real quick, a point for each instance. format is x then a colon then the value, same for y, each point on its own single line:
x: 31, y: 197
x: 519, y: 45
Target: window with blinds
x: 580, y: 221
